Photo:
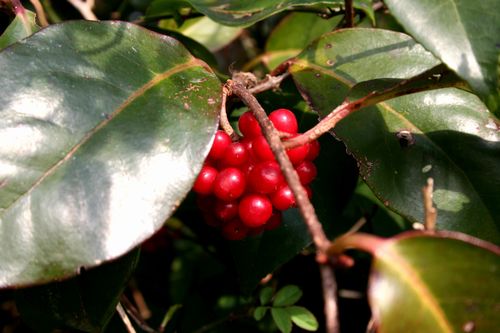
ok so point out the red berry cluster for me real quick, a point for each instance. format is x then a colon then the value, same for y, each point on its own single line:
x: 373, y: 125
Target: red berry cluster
x: 241, y: 188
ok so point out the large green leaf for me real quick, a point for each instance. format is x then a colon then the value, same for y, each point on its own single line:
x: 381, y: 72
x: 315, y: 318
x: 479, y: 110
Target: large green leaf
x: 305, y: 27
x: 85, y: 302
x: 436, y: 284
x: 21, y: 27
x: 104, y: 127
x: 245, y: 13
x: 211, y: 34
x: 447, y: 134
x: 465, y: 35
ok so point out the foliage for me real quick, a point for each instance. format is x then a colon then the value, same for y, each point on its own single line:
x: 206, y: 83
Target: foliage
x: 106, y: 125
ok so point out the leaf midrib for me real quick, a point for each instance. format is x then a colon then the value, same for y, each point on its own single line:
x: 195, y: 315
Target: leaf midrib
x: 193, y: 62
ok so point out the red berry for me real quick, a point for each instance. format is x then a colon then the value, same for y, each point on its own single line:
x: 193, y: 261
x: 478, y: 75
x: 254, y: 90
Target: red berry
x: 298, y: 154
x: 261, y: 149
x: 221, y: 142
x: 284, y: 121
x: 283, y: 198
x: 265, y: 177
x: 226, y: 210
x: 274, y: 221
x: 229, y: 184
x: 205, y: 180
x: 248, y: 125
x: 255, y: 210
x: 307, y: 172
x: 235, y: 155
x: 234, y: 230
x: 314, y: 149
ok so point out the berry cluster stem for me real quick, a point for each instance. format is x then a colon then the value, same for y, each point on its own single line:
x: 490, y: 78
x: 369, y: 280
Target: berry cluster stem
x: 272, y: 136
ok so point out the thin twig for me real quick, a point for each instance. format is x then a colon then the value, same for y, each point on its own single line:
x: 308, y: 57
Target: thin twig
x: 126, y: 321
x: 223, y: 120
x: 42, y: 18
x: 135, y: 315
x: 349, y: 13
x: 85, y: 8
x: 270, y: 82
x: 330, y: 298
x: 429, y: 210
x: 305, y: 206
x: 327, y: 123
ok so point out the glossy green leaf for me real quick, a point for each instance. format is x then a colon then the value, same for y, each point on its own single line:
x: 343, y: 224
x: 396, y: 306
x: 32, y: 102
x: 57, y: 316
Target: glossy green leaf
x: 260, y: 312
x: 303, y: 318
x: 211, y: 34
x: 245, y: 13
x: 288, y: 295
x: 465, y: 35
x: 447, y: 134
x: 96, y: 124
x: 265, y: 295
x: 436, y: 284
x: 282, y: 319
x: 22, y: 26
x: 85, y: 302
x: 305, y: 27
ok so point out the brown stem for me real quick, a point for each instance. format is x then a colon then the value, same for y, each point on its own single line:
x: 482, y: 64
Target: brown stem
x: 429, y: 210
x: 360, y: 241
x: 330, y: 298
x: 42, y: 18
x: 270, y: 82
x: 223, y: 120
x: 124, y: 317
x: 349, y: 13
x: 327, y: 123
x: 306, y: 208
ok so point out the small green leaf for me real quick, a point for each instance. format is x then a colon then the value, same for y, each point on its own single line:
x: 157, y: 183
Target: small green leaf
x: 265, y: 295
x: 442, y: 283
x: 303, y: 318
x: 282, y: 319
x: 22, y: 26
x: 260, y: 312
x: 288, y: 295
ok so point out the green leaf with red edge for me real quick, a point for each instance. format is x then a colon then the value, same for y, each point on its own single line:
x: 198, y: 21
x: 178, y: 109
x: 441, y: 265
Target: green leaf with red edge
x: 85, y: 302
x: 442, y: 283
x: 465, y: 35
x: 447, y: 134
x: 22, y: 26
x: 104, y: 127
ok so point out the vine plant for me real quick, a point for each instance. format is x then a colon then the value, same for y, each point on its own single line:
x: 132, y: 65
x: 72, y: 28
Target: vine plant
x: 105, y: 126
